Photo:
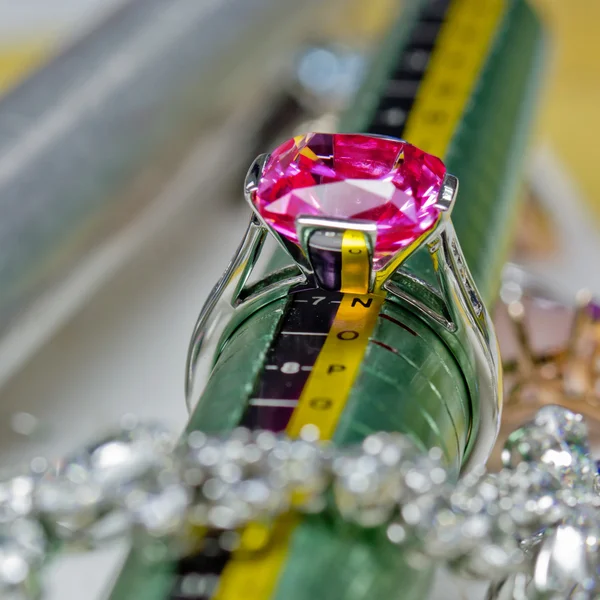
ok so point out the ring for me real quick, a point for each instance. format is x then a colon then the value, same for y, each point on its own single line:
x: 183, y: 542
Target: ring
x: 351, y: 212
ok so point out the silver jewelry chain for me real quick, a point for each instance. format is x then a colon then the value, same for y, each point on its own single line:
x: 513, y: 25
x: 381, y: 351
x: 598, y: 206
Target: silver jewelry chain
x: 514, y: 527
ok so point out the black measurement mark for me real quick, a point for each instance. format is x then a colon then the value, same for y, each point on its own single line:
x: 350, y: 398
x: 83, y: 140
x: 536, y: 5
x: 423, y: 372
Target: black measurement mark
x: 384, y: 346
x: 290, y: 359
x: 198, y: 575
x: 396, y: 322
x: 397, y: 102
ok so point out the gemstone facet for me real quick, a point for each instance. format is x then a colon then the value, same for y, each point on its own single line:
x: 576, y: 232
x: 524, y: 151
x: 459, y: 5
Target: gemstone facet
x: 346, y: 176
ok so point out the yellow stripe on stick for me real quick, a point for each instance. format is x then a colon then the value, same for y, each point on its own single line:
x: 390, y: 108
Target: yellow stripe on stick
x: 326, y: 391
x: 452, y: 73
x: 252, y: 575
x: 356, y: 263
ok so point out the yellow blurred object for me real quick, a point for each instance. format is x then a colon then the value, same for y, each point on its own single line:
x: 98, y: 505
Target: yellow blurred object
x: 570, y: 121
x: 362, y: 21
x: 255, y: 536
x: 371, y: 18
x: 19, y: 58
x: 536, y: 230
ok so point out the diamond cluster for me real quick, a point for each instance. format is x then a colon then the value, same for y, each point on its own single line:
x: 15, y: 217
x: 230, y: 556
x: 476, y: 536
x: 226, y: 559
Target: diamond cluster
x: 138, y: 481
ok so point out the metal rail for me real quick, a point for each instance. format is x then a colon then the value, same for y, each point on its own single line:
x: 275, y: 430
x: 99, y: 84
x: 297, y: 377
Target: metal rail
x: 92, y: 141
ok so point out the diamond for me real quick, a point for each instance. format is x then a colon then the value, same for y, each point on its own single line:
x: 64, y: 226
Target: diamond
x: 368, y: 480
x: 383, y: 180
x: 567, y: 557
x: 23, y: 547
x: 15, y: 498
x: 82, y: 496
x: 558, y: 438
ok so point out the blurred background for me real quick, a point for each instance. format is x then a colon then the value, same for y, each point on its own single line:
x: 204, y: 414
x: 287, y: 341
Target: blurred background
x: 126, y: 127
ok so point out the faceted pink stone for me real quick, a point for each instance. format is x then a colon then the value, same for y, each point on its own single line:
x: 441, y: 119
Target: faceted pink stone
x: 389, y: 182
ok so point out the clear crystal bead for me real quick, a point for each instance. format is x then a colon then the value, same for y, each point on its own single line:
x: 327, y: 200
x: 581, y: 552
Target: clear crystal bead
x: 74, y: 496
x: 127, y: 456
x: 15, y: 498
x: 452, y: 534
x: 567, y: 557
x: 227, y: 506
x: 529, y: 495
x: 161, y: 510
x: 493, y: 560
x: 557, y: 438
x: 303, y: 468
x: 241, y: 476
x: 368, y: 480
x: 497, y: 553
x: 365, y: 492
x: 567, y: 424
x: 68, y: 507
x: 22, y: 550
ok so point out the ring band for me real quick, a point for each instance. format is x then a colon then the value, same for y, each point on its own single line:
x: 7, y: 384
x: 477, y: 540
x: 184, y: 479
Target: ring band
x: 345, y: 254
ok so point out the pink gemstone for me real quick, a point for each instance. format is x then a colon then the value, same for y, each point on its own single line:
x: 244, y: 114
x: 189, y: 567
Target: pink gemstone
x: 386, y: 181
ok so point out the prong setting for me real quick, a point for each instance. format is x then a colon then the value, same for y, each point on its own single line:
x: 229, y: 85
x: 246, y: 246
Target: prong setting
x: 250, y: 186
x: 253, y: 177
x: 447, y: 194
x: 306, y: 225
x: 307, y: 228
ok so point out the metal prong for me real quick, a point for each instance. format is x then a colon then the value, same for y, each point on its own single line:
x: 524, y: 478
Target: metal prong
x: 388, y: 137
x: 224, y: 297
x: 447, y: 193
x: 307, y: 224
x: 253, y: 177
x: 386, y: 270
x: 328, y: 263
x: 250, y: 186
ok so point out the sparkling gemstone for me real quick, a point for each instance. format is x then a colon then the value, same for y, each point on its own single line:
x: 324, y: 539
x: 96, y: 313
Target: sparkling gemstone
x: 369, y: 480
x: 568, y: 556
x: 82, y: 497
x: 302, y: 467
x: 558, y: 438
x: 161, y: 508
x: 386, y: 181
x: 15, y: 498
x: 22, y: 550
